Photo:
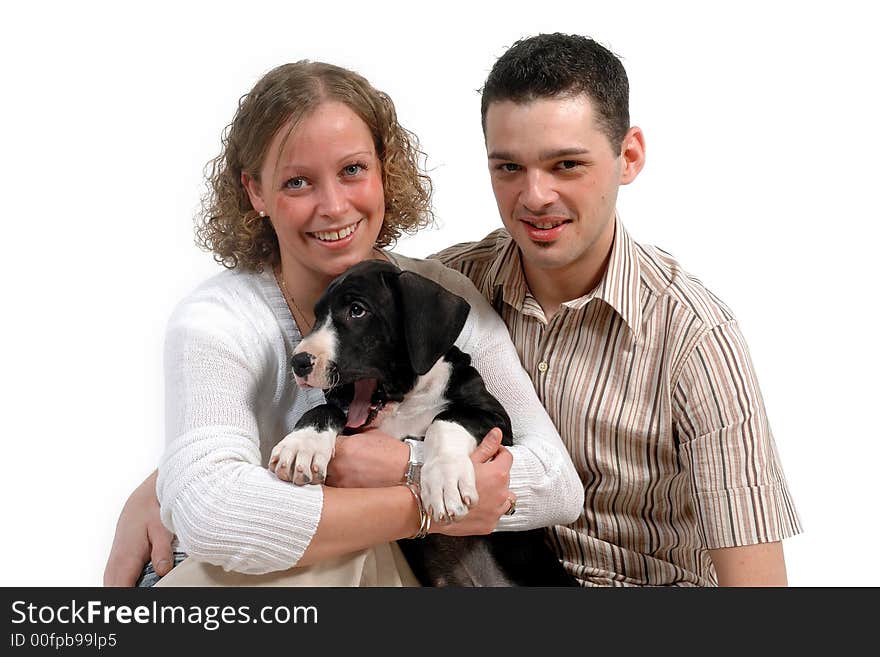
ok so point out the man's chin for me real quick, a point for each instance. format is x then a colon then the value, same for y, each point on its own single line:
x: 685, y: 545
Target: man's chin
x: 545, y: 255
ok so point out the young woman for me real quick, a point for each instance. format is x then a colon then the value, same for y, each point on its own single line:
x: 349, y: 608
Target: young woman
x: 315, y: 175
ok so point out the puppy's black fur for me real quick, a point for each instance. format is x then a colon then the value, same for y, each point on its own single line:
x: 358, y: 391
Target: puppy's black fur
x: 393, y: 327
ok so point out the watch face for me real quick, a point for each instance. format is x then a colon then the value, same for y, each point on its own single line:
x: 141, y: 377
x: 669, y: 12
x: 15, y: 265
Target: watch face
x: 412, y: 472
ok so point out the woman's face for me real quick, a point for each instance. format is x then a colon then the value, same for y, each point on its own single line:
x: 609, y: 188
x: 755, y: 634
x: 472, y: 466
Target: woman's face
x: 322, y: 192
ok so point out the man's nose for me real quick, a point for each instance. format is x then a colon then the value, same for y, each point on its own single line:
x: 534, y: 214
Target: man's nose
x: 538, y: 192
x: 302, y: 364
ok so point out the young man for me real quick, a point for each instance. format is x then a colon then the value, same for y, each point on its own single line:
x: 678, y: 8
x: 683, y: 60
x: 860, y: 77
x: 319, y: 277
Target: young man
x: 643, y: 371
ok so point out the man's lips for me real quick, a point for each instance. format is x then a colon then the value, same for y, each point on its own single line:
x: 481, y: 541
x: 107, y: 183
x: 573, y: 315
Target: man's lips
x: 545, y: 229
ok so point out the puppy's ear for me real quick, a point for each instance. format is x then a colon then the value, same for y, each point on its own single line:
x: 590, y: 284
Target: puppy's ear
x: 432, y: 319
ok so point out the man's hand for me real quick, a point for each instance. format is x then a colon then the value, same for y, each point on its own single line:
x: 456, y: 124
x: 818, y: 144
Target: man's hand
x: 140, y: 537
x: 367, y: 460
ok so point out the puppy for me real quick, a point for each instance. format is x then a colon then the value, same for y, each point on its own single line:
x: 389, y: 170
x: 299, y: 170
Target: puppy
x: 383, y: 351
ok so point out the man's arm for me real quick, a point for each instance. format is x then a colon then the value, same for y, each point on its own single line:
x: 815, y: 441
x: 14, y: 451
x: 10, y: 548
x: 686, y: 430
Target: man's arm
x: 750, y: 565
x: 140, y: 536
x: 727, y: 449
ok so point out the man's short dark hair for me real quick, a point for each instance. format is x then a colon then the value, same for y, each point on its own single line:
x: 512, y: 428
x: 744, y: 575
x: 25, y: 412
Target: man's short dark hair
x: 563, y: 65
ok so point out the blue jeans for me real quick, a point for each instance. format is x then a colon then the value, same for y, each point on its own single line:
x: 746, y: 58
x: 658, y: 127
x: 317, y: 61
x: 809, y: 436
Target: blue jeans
x: 149, y: 576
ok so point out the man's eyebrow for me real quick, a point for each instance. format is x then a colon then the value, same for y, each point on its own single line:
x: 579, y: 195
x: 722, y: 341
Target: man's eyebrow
x: 546, y: 155
x: 563, y: 152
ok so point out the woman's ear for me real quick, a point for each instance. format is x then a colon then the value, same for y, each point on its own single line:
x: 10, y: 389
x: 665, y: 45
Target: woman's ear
x: 254, y: 191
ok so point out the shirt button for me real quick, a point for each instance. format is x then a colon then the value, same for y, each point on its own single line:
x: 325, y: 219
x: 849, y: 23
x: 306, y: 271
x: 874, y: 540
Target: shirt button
x: 542, y: 366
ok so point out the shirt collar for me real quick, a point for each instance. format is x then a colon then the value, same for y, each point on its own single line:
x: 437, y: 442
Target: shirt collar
x: 619, y: 286
x: 505, y: 278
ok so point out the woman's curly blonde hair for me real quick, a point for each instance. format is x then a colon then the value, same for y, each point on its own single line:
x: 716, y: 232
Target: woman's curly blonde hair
x: 229, y: 226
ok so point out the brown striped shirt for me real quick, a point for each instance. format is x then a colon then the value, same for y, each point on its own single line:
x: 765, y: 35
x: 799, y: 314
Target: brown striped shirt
x: 650, y: 383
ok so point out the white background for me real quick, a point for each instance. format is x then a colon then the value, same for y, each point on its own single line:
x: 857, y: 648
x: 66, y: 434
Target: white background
x: 761, y: 179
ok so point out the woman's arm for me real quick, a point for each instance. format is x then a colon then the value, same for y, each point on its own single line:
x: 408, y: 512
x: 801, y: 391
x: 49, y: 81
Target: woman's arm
x: 222, y: 355
x: 355, y: 518
x: 223, y: 385
x: 346, y: 515
x: 545, y: 482
x: 543, y: 476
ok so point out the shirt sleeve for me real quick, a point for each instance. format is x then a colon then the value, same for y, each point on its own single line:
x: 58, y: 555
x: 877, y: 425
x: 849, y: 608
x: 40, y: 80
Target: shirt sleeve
x: 726, y: 447
x: 223, y: 505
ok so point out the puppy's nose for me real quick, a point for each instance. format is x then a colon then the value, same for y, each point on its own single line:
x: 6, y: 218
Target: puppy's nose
x: 302, y: 364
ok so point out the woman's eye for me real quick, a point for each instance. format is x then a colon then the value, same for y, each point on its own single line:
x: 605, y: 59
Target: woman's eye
x: 295, y: 183
x: 353, y: 169
x: 356, y: 310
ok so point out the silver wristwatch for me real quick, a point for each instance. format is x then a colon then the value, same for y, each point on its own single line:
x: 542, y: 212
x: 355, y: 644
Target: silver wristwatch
x: 413, y: 468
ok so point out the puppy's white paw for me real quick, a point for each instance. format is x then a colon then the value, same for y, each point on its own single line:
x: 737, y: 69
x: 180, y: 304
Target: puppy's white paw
x: 448, y: 482
x: 302, y: 456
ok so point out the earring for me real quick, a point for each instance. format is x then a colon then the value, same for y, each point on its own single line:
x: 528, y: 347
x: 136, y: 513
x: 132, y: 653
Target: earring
x: 262, y: 214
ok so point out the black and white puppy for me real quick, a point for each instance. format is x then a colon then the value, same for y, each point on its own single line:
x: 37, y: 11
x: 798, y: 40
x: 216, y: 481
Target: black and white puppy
x: 383, y: 351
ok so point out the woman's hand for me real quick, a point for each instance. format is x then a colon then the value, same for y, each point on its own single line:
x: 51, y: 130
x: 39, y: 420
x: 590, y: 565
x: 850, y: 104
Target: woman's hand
x: 492, y: 471
x: 367, y: 460
x: 374, y: 459
x: 140, y: 537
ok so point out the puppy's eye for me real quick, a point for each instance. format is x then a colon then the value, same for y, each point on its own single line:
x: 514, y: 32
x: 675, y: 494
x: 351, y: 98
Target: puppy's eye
x: 356, y: 310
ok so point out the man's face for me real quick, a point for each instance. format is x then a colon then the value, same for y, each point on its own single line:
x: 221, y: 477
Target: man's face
x: 555, y: 176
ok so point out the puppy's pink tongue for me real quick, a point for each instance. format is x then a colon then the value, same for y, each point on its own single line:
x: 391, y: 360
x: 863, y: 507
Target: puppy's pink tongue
x: 359, y: 409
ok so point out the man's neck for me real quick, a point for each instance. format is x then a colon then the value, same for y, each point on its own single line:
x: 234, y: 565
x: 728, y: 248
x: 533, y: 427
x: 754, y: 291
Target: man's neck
x: 553, y: 287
